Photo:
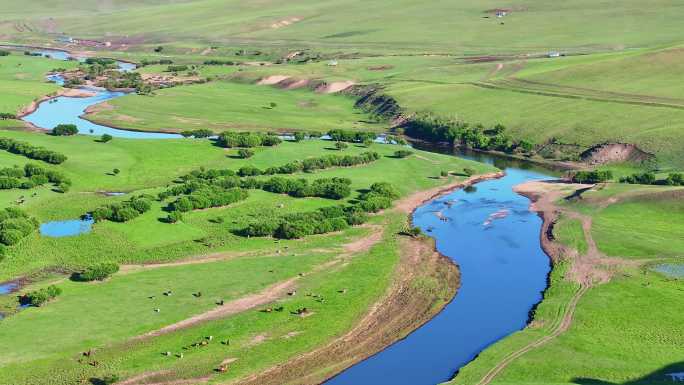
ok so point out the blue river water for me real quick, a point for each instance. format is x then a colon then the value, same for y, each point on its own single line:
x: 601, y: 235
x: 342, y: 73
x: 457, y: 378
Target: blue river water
x: 671, y: 270
x: 489, y: 232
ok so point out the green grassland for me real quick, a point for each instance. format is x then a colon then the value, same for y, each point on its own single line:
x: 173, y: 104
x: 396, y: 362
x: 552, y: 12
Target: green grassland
x: 22, y: 80
x: 232, y: 106
x: 147, y: 166
x: 532, y: 25
x: 624, y: 330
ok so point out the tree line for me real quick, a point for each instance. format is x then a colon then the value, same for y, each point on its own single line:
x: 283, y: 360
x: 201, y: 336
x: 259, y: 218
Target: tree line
x: 326, y: 219
x: 673, y: 179
x: 30, y: 176
x: 247, y: 139
x: 30, y: 151
x: 123, y: 211
x: 437, y: 129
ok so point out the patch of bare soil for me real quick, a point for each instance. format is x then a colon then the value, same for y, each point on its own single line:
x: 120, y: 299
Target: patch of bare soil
x: 404, y: 308
x: 330, y: 88
x: 383, y: 67
x: 271, y: 80
x: 100, y: 107
x: 285, y: 22
x: 615, y: 153
x: 292, y: 83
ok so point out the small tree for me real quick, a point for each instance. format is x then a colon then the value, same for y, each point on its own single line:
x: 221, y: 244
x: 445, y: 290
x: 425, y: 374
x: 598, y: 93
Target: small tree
x: 444, y: 173
x: 106, y: 138
x: 341, y: 145
x: 402, y: 153
x: 245, y: 153
x: 98, y: 272
x: 158, y: 49
x: 174, y: 216
x: 116, y: 171
x: 368, y: 142
x: 65, y: 130
x: 298, y: 136
x: 468, y: 171
x: 273, y: 105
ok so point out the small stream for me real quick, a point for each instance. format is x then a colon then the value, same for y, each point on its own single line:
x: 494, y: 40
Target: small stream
x: 491, y: 234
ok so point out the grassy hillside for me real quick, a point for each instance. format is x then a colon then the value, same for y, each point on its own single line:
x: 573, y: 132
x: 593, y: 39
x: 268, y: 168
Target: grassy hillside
x: 436, y: 26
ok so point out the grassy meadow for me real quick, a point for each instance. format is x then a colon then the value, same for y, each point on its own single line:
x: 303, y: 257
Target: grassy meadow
x: 22, y: 80
x: 222, y: 106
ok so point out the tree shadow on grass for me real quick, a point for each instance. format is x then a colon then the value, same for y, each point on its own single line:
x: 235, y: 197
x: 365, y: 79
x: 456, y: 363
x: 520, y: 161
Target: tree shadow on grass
x: 667, y: 375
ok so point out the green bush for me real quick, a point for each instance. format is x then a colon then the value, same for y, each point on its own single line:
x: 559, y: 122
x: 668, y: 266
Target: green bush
x: 595, y: 176
x: 298, y: 136
x: 402, y: 153
x: 42, y: 296
x: 15, y: 225
x: 339, y: 135
x: 247, y: 139
x: 105, y: 138
x: 65, y: 130
x: 245, y: 153
x: 174, y: 217
x: 341, y: 145
x: 98, y: 272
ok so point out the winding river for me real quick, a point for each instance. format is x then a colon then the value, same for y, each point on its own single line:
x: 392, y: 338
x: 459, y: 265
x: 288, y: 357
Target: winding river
x: 487, y: 230
x: 491, y: 234
x: 70, y: 109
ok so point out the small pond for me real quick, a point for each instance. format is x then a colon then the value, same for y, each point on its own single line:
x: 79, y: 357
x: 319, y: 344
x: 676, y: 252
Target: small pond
x: 671, y: 270
x: 68, y: 228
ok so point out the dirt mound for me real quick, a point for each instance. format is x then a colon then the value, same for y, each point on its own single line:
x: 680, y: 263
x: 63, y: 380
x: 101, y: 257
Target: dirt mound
x: 292, y: 83
x: 329, y: 88
x: 381, y: 67
x: 615, y: 153
x: 271, y: 80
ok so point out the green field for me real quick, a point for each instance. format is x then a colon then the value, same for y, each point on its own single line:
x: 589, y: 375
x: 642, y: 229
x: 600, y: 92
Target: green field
x: 349, y: 25
x: 22, y: 80
x: 232, y: 106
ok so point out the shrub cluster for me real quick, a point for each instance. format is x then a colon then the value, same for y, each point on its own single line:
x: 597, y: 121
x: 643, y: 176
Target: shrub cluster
x: 208, y: 196
x: 145, y: 62
x: 15, y: 225
x: 176, y: 68
x: 41, y: 296
x: 100, y: 60
x: 65, y: 130
x: 30, y: 151
x: 4, y: 53
x: 595, y: 176
x: 30, y: 176
x: 7, y: 115
x: 402, y: 153
x: 247, y: 139
x: 326, y: 219
x: 432, y: 128
x: 673, y: 179
x: 331, y: 188
x: 98, y: 272
x: 199, y: 133
x: 321, y: 163
x: 339, y: 135
x: 124, y: 211
x: 215, y: 62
